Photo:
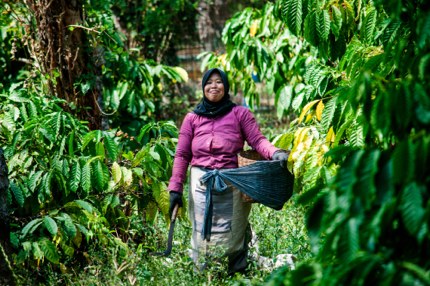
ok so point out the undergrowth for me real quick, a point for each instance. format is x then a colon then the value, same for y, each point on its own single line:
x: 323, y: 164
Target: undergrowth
x: 278, y: 232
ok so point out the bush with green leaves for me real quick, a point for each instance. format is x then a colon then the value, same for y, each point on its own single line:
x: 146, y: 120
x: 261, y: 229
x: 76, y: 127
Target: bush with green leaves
x: 360, y: 139
x: 70, y: 187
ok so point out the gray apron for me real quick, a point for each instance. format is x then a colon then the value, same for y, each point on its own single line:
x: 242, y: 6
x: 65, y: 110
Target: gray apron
x: 229, y: 224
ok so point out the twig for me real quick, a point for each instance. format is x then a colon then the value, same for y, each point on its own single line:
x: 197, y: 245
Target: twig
x: 85, y: 28
x: 9, y: 266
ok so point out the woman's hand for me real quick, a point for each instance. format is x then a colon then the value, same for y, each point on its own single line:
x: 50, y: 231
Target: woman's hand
x: 282, y: 156
x: 175, y: 199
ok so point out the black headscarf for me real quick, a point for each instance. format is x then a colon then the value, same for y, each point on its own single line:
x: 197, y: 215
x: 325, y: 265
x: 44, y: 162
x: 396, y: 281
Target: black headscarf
x: 213, y: 109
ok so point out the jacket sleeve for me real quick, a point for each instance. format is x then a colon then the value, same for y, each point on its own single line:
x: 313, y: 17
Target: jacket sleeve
x: 251, y: 132
x: 183, y: 155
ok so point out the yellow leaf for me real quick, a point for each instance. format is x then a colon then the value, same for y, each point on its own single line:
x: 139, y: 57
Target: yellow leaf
x: 309, y: 117
x: 330, y: 136
x: 127, y: 176
x: 320, y: 108
x: 183, y: 73
x: 222, y: 59
x: 306, y: 109
x: 116, y: 173
x: 253, y: 28
x: 300, y: 135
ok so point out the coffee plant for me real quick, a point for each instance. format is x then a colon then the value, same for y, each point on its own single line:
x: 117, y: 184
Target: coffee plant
x: 354, y: 73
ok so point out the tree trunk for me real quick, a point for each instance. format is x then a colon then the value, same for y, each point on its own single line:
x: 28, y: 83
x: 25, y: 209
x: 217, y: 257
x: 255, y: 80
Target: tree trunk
x: 60, y: 48
x: 211, y: 22
x: 6, y: 274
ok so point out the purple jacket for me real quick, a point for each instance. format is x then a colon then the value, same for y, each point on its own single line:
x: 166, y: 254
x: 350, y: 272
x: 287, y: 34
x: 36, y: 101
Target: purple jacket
x: 214, y: 143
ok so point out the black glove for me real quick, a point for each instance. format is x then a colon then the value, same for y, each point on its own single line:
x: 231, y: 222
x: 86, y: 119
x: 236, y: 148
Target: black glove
x: 282, y: 156
x: 175, y: 199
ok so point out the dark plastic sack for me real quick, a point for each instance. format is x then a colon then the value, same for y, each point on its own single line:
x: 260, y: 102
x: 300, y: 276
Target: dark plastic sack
x: 266, y: 182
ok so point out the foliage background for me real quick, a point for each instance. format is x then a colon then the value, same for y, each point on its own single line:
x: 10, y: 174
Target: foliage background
x: 89, y: 151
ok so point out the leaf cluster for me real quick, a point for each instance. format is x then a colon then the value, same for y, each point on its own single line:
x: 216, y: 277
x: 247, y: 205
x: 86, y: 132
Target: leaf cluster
x: 359, y: 141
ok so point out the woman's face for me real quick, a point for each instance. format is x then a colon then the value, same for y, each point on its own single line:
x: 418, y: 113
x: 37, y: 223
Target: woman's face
x: 214, y: 88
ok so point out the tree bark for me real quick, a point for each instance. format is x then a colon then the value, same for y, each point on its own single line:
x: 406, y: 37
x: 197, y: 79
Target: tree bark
x: 6, y: 274
x: 60, y: 48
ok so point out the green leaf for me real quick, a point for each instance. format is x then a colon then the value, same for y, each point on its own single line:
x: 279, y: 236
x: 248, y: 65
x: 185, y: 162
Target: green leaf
x: 293, y: 15
x: 56, y: 123
x: 86, y: 177
x: 138, y: 158
x: 328, y: 113
x: 111, y: 147
x: 311, y: 34
x: 404, y: 158
x: 357, y: 134
x: 100, y: 150
x: 336, y: 24
x: 412, y: 207
x: 284, y: 141
x: 369, y: 26
x: 37, y: 252
x: 17, y: 193
x: 87, y: 139
x: 390, y: 33
x: 323, y: 24
x: 85, y: 205
x: 349, y: 243
x: 143, y: 134
x: 71, y: 142
x: 75, y: 176
x: 283, y: 99
x: 423, y: 30
x: 31, y: 226
x: 50, y: 225
x: 100, y: 175
x: 49, y: 250
x: 69, y: 226
x: 69, y: 251
x: 422, y: 109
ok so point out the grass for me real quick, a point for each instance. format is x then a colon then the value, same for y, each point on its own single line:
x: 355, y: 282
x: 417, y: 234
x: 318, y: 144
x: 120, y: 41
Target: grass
x: 278, y: 232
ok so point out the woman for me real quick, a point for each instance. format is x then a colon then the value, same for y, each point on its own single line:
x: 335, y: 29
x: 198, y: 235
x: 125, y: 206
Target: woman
x: 210, y: 138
